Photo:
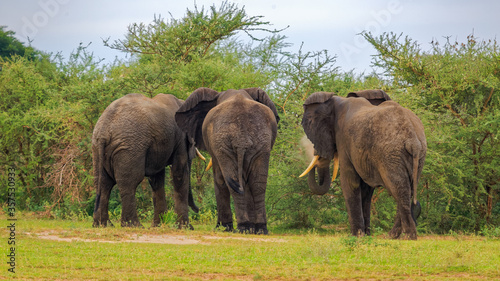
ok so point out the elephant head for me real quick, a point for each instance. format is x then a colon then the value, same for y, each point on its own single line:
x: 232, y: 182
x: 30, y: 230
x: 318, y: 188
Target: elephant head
x: 317, y: 123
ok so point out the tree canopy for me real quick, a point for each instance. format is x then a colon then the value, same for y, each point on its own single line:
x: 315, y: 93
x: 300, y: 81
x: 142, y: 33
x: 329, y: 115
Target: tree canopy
x: 10, y: 46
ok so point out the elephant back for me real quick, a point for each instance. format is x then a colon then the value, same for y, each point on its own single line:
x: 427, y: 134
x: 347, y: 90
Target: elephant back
x: 261, y: 96
x: 171, y: 101
x: 375, y: 97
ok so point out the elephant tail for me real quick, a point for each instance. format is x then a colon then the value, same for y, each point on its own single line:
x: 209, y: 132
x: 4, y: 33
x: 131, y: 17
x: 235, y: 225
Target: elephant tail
x: 414, y: 149
x: 415, y: 176
x: 235, y: 181
x: 241, y: 155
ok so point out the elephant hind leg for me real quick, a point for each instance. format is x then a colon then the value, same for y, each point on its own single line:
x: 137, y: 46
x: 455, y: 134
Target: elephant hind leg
x: 227, y: 227
x: 101, y: 215
x: 127, y: 182
x: 257, y: 185
x: 404, y: 223
x: 409, y: 228
x: 396, y: 229
x: 223, y: 198
x: 157, y: 183
x: 246, y: 227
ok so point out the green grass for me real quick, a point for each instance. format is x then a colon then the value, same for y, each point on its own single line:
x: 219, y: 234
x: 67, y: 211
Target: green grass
x: 226, y: 256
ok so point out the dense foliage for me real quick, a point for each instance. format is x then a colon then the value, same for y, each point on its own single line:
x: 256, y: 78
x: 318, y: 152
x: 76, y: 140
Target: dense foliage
x: 49, y: 105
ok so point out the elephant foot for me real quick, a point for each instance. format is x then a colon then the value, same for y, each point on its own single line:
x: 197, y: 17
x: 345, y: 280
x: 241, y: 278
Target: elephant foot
x: 408, y: 236
x: 185, y: 225
x: 246, y: 227
x: 358, y: 232
x: 228, y: 226
x: 102, y: 223
x: 261, y: 228
x: 132, y: 223
x: 395, y: 232
x: 97, y: 223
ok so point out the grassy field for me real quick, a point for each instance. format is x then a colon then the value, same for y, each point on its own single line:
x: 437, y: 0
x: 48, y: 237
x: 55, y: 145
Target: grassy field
x: 73, y: 250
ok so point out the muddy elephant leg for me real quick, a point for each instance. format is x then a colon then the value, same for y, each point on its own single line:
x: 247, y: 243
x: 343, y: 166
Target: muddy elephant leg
x: 366, y: 198
x: 223, y: 198
x: 101, y: 215
x: 157, y: 183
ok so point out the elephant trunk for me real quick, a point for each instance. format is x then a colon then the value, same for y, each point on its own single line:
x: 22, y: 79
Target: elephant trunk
x: 324, y: 180
x: 323, y: 174
x: 191, y: 202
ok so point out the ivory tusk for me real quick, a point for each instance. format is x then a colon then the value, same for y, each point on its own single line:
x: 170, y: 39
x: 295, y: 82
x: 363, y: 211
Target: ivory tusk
x: 335, y: 165
x: 313, y: 163
x: 199, y: 154
x: 209, y: 165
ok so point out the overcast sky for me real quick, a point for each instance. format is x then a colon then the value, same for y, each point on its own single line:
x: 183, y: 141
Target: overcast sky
x: 60, y: 25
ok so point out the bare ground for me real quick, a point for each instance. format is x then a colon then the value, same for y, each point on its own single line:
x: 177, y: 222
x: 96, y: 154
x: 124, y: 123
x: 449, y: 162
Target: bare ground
x: 176, y: 239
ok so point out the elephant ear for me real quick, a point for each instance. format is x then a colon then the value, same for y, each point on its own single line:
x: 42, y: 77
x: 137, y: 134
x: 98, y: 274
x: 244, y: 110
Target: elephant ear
x: 259, y: 95
x: 375, y: 97
x: 191, y: 114
x: 317, y: 122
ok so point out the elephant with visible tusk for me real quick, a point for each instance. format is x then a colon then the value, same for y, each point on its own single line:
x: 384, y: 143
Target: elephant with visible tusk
x: 238, y: 129
x: 376, y: 142
x: 136, y: 137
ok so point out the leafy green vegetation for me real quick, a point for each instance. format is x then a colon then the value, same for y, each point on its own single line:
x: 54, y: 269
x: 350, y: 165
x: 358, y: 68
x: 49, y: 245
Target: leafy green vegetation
x: 10, y: 46
x: 49, y: 106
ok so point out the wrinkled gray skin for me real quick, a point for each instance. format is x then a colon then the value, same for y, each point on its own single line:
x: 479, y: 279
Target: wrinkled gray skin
x: 238, y: 129
x: 136, y: 137
x: 379, y: 143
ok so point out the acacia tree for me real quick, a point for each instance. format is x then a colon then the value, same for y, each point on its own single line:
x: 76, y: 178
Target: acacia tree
x: 165, y: 48
x: 454, y: 87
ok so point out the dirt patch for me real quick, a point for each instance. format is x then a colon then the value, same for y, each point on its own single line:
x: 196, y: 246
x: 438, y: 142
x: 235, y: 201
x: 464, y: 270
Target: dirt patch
x: 134, y: 238
x: 47, y: 236
x: 151, y: 238
x: 273, y: 240
x: 164, y: 239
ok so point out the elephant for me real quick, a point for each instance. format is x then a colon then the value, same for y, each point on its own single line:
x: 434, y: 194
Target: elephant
x: 376, y: 142
x: 136, y: 137
x: 238, y: 129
